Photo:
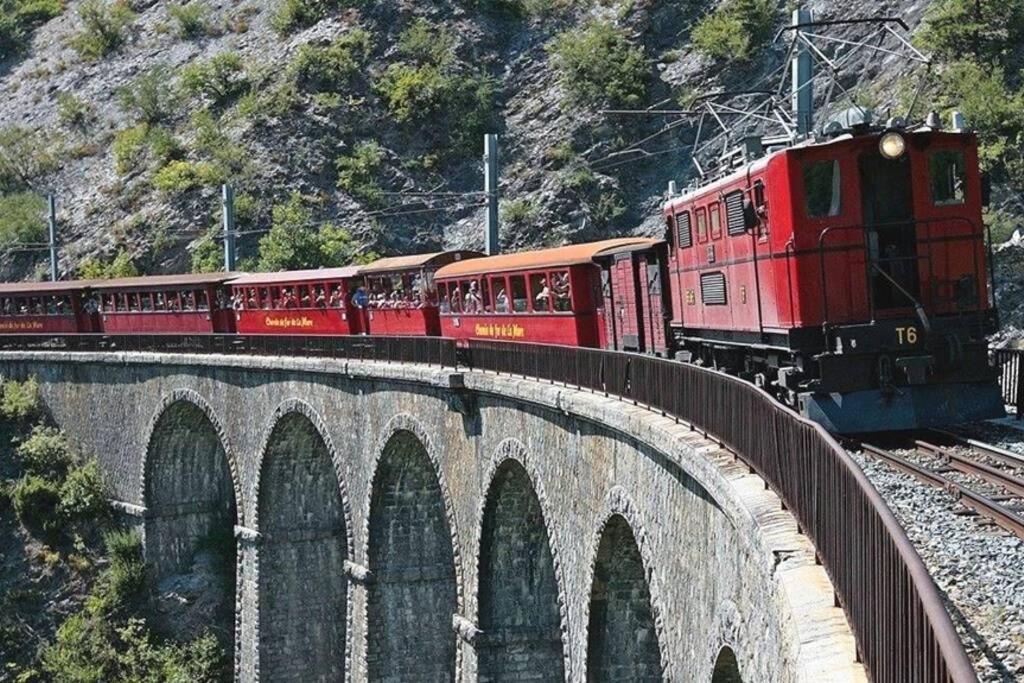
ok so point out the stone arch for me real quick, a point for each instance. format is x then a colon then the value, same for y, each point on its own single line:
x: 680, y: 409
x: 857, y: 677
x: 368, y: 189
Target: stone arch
x: 304, y: 533
x: 412, y: 555
x: 624, y: 633
x: 726, y: 670
x: 190, y: 490
x: 520, y: 609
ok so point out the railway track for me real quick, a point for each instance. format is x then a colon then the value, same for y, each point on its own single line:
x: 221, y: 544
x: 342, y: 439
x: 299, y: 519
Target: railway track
x: 985, y: 479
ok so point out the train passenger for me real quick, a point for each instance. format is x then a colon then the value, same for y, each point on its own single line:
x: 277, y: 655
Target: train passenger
x: 540, y: 302
x: 321, y: 299
x: 456, y: 301
x: 501, y: 301
x: 472, y: 304
x: 361, y: 299
x: 335, y: 300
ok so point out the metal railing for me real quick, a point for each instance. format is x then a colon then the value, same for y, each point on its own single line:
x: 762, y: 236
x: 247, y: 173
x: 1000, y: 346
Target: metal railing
x: 1010, y: 363
x: 902, y: 628
x: 426, y: 350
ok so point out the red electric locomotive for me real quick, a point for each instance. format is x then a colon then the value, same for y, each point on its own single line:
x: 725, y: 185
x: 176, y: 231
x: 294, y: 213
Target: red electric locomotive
x: 850, y: 276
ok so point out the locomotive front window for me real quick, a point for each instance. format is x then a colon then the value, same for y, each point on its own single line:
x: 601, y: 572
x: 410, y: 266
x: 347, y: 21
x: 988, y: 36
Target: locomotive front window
x: 822, y: 188
x: 948, y: 177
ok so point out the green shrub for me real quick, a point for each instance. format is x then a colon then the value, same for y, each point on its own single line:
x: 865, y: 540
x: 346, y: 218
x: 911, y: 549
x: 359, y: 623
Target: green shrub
x: 332, y: 66
x: 25, y: 155
x: 149, y: 97
x: 218, y: 79
x: 181, y: 176
x: 74, y: 112
x: 292, y: 15
x: 103, y: 27
x: 191, y: 19
x: 130, y: 148
x: 126, y: 575
x: 416, y: 93
x: 599, y: 64
x: 427, y: 43
x: 207, y: 256
x: 83, y: 651
x: 294, y: 244
x: 987, y: 30
x: 19, y: 17
x: 518, y: 211
x: 35, y: 501
x: 83, y: 495
x: 21, y: 401
x: 560, y: 155
x: 122, y: 265
x: 736, y: 30
x: 22, y: 218
x: 357, y: 173
x: 228, y: 156
x: 46, y: 452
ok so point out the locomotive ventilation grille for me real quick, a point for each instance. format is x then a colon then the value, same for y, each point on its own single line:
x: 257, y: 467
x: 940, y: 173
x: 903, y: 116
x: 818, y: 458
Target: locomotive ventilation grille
x: 712, y: 289
x: 685, y: 235
x: 734, y: 213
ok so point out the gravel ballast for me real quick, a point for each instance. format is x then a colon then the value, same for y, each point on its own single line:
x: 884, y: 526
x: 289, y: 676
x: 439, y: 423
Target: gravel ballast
x: 978, y: 567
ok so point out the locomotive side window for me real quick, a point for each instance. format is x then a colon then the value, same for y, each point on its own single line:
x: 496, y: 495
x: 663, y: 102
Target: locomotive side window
x: 948, y: 177
x: 716, y: 221
x: 702, y: 226
x: 822, y: 188
x: 734, y: 213
x: 684, y: 236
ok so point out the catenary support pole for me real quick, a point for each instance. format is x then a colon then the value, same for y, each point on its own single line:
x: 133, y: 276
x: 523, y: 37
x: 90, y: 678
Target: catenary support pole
x: 491, y: 190
x: 803, y: 75
x: 228, y: 211
x: 51, y: 202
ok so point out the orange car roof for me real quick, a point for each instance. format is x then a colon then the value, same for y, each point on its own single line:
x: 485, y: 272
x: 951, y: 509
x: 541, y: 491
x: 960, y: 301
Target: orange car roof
x: 297, y: 276
x: 544, y: 258
x: 438, y: 258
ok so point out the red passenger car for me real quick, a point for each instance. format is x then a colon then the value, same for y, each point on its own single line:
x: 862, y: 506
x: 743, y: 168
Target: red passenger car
x: 848, y: 275
x: 46, y: 308
x: 551, y: 296
x: 313, y: 302
x: 401, y: 297
x: 165, y: 304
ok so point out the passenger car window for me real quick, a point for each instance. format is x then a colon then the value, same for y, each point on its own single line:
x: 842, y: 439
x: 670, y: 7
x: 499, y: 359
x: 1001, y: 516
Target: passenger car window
x: 560, y: 290
x: 822, y: 189
x: 948, y: 177
x: 500, y: 295
x: 518, y: 285
x: 540, y: 289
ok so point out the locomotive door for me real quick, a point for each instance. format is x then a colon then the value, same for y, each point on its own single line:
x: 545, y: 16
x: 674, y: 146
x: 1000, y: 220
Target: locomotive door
x: 623, y: 307
x: 888, y: 207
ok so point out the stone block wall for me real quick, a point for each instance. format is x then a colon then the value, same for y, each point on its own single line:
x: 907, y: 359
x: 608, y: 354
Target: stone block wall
x: 392, y: 528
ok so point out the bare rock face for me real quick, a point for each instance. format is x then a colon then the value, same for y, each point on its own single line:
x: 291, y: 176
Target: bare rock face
x: 569, y: 171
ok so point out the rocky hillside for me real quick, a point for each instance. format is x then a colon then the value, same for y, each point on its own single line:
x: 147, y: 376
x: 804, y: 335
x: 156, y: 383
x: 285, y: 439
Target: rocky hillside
x: 366, y: 115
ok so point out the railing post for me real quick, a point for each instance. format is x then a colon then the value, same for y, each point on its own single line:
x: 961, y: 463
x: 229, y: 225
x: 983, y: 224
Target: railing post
x: 1020, y: 384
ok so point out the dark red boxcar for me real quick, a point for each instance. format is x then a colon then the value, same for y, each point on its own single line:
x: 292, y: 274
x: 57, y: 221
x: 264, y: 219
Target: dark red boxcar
x: 46, y: 307
x: 165, y: 304
x: 550, y: 296
x: 297, y: 302
x: 401, y: 297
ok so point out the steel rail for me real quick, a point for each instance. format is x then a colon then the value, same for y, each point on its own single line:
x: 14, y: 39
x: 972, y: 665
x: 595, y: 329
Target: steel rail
x: 1001, y: 454
x: 961, y: 463
x: 983, y: 505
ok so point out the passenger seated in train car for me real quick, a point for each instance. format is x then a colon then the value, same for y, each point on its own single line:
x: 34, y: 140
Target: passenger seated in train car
x: 472, y: 299
x: 542, y: 300
x: 320, y: 300
x: 501, y: 301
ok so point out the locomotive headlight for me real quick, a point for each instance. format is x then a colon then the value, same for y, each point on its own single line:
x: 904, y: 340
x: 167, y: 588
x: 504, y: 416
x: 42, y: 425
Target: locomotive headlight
x: 892, y: 145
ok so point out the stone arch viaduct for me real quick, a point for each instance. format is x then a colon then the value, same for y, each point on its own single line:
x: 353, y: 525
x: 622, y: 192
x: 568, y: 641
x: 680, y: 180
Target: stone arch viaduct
x: 403, y: 523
